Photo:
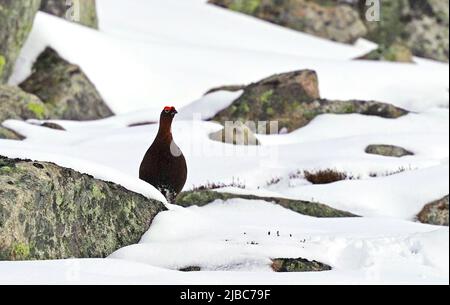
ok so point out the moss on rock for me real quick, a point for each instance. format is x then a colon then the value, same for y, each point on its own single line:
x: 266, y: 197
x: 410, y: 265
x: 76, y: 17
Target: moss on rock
x: 202, y: 198
x: 51, y: 212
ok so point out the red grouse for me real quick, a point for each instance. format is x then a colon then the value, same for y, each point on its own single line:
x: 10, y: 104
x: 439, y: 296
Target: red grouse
x: 164, y: 165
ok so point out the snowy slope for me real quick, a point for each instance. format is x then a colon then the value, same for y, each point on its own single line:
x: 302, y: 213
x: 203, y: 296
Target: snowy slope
x: 146, y: 51
x: 162, y: 52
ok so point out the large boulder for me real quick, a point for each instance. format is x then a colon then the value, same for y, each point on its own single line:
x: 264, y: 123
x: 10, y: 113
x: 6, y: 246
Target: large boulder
x: 420, y: 25
x: 80, y: 11
x: 293, y: 100
x: 65, y: 89
x: 16, y: 21
x: 51, y: 212
x: 435, y: 213
x: 338, y: 22
x: 204, y: 197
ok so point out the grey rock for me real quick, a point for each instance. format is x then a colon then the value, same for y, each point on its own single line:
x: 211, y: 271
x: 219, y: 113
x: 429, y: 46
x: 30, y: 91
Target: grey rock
x: 293, y: 101
x: 19, y: 105
x: 51, y: 212
x: 65, y: 90
x: 80, y: 11
x: 298, y: 265
x: 16, y: 21
x: 388, y: 151
x: 236, y: 134
x: 336, y: 21
x: 8, y: 134
x: 204, y: 197
x: 435, y: 213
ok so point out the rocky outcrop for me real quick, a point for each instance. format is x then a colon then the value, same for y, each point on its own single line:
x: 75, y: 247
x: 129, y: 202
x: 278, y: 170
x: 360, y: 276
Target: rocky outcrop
x: 16, y: 21
x: 435, y: 213
x: 65, y: 90
x: 420, y: 25
x: 80, y: 11
x: 293, y: 100
x: 338, y: 22
x: 204, y: 197
x: 8, y: 134
x: 51, y: 212
x: 235, y: 133
x: 19, y: 105
x: 298, y: 265
x: 388, y: 151
x: 395, y: 53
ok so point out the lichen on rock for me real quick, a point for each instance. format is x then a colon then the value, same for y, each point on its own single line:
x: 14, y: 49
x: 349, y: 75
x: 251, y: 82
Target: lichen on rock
x: 16, y: 21
x: 338, y: 22
x: 20, y: 105
x: 204, y: 197
x: 298, y: 265
x: 65, y: 90
x: 394, y: 53
x: 388, y: 150
x: 80, y: 11
x: 51, y: 212
x: 293, y: 100
x: 436, y: 213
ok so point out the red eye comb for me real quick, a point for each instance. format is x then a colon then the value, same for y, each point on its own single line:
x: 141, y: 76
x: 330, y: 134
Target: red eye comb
x: 169, y: 108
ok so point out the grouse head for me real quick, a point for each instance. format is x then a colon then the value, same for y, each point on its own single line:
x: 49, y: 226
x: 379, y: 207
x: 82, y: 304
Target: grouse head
x: 169, y: 112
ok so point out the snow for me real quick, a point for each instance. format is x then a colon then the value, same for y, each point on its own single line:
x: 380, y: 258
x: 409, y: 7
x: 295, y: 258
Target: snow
x: 158, y: 53
x: 201, y: 51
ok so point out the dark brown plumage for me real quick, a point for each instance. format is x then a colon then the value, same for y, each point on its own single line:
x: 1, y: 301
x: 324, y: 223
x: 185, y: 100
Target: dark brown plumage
x: 164, y: 165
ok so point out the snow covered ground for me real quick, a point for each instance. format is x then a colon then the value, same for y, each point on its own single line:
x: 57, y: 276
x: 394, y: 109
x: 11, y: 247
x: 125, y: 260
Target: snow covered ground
x: 171, y: 52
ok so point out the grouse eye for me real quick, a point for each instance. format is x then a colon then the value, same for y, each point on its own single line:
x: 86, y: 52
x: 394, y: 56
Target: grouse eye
x: 166, y: 110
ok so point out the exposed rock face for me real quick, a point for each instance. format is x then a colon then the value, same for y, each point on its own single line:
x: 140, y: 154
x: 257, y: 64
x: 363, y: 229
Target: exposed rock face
x: 388, y: 151
x: 202, y: 198
x: 421, y: 25
x: 235, y: 133
x: 16, y: 21
x: 64, y: 88
x: 435, y: 213
x: 293, y: 100
x: 50, y: 212
x: 339, y: 22
x: 298, y: 265
x: 8, y: 134
x: 19, y: 105
x: 80, y: 11
x: 395, y: 53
